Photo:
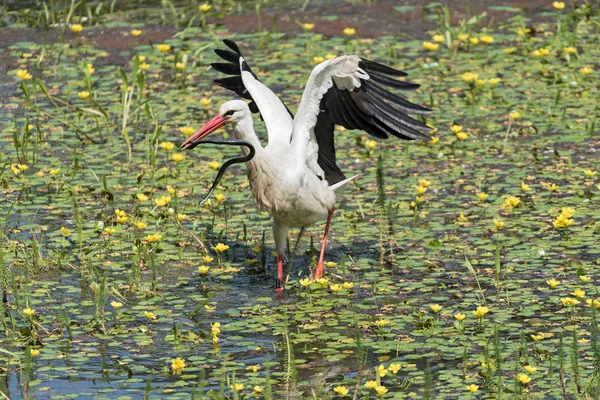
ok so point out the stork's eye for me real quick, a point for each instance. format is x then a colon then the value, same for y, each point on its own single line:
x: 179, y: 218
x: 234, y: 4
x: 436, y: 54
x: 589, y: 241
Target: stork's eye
x: 229, y: 113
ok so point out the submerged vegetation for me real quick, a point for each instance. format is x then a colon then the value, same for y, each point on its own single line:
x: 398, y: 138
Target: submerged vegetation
x: 464, y: 267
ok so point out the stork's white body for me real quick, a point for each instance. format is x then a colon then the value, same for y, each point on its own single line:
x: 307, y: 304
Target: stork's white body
x: 284, y: 186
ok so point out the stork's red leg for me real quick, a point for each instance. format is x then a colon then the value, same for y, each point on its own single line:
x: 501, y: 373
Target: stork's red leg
x: 279, y: 281
x: 320, y: 265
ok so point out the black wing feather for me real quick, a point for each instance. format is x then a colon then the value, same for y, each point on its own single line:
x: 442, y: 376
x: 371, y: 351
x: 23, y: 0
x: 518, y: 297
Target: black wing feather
x: 371, y: 108
x: 232, y: 67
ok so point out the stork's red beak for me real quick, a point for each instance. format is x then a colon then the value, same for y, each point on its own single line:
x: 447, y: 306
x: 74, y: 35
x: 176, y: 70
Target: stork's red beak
x: 206, y: 130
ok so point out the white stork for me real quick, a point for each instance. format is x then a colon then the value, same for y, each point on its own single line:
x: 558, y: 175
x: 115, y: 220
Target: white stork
x: 295, y: 177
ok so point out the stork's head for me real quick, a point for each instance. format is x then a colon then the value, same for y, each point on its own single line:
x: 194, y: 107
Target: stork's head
x: 232, y: 111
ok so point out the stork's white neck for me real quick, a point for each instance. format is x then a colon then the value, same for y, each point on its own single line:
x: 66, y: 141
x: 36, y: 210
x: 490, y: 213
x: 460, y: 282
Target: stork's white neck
x: 244, y: 129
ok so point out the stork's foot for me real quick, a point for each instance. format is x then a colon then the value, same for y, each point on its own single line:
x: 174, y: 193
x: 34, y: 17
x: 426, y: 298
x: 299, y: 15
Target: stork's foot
x: 319, y: 270
x: 279, y: 287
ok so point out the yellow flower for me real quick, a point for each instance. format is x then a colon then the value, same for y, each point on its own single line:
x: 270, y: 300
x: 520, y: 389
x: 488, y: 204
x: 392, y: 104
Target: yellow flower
x: 341, y: 390
x: 473, y: 41
x: 462, y: 218
x: 562, y: 221
x: 530, y: 369
x: 204, y: 7
x: 110, y: 231
x: 144, y: 66
x: 568, y: 301
x: 537, y: 338
x: 177, y: 157
x: 209, y: 308
x: 309, y: 27
x: 181, y: 217
x: 141, y: 197
x: 65, y: 231
x: 438, y: 38
x: 30, y: 127
x: 370, y: 384
x: 420, y: 189
x: 205, y: 101
x: 510, y: 202
x: 469, y: 77
x: 170, y: 189
x: 553, y: 283
x: 525, y: 187
x: 430, y: 46
x: 463, y: 37
x: 214, y: 165
x: 382, y: 322
x: 331, y: 264
x: 330, y: 56
x: 482, y: 196
x: 257, y: 389
x: 28, y: 311
x: 149, y: 315
x: 136, y: 33
x: 395, y: 367
x: 116, y: 304
x: 570, y: 50
x: 370, y: 144
x: 90, y: 68
x: 34, y: 352
x: 237, y: 387
x: 207, y: 259
x: 140, y: 225
x: 514, y: 115
x: 460, y: 316
x: 348, y: 285
x: 498, y: 223
x: 552, y: 187
x: 322, y: 281
x: 584, y: 278
x: 559, y: 5
x: 141, y: 58
x: 335, y: 288
x: 305, y: 282
x: 381, y: 370
x: 578, y: 293
x: 168, y: 146
x: 494, y: 81
x: 318, y: 59
x: 220, y: 248
x: 76, y: 28
x: 435, y: 307
x: 23, y: 74
x: 586, y: 70
x: 349, y: 31
x: 434, y: 139
x: 23, y: 167
x: 163, y: 48
x: 84, y: 95
x: 253, y: 368
x: 481, y: 311
x: 523, y: 378
x: 381, y: 390
x: 54, y: 171
x: 567, y: 212
x: 203, y: 269
x: 424, y: 182
x: 15, y: 170
x: 155, y: 237
x: 589, y: 173
x: 179, y: 65
x: 186, y: 130
x: 472, y: 388
x: 487, y: 39
x: 456, y: 128
x: 178, y: 365
x: 220, y: 197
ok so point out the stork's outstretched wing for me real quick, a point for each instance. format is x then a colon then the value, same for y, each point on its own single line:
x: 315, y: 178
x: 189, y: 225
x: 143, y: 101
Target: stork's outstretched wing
x: 350, y: 91
x: 244, y: 82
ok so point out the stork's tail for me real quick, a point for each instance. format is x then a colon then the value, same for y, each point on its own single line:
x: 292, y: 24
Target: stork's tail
x: 338, y: 188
